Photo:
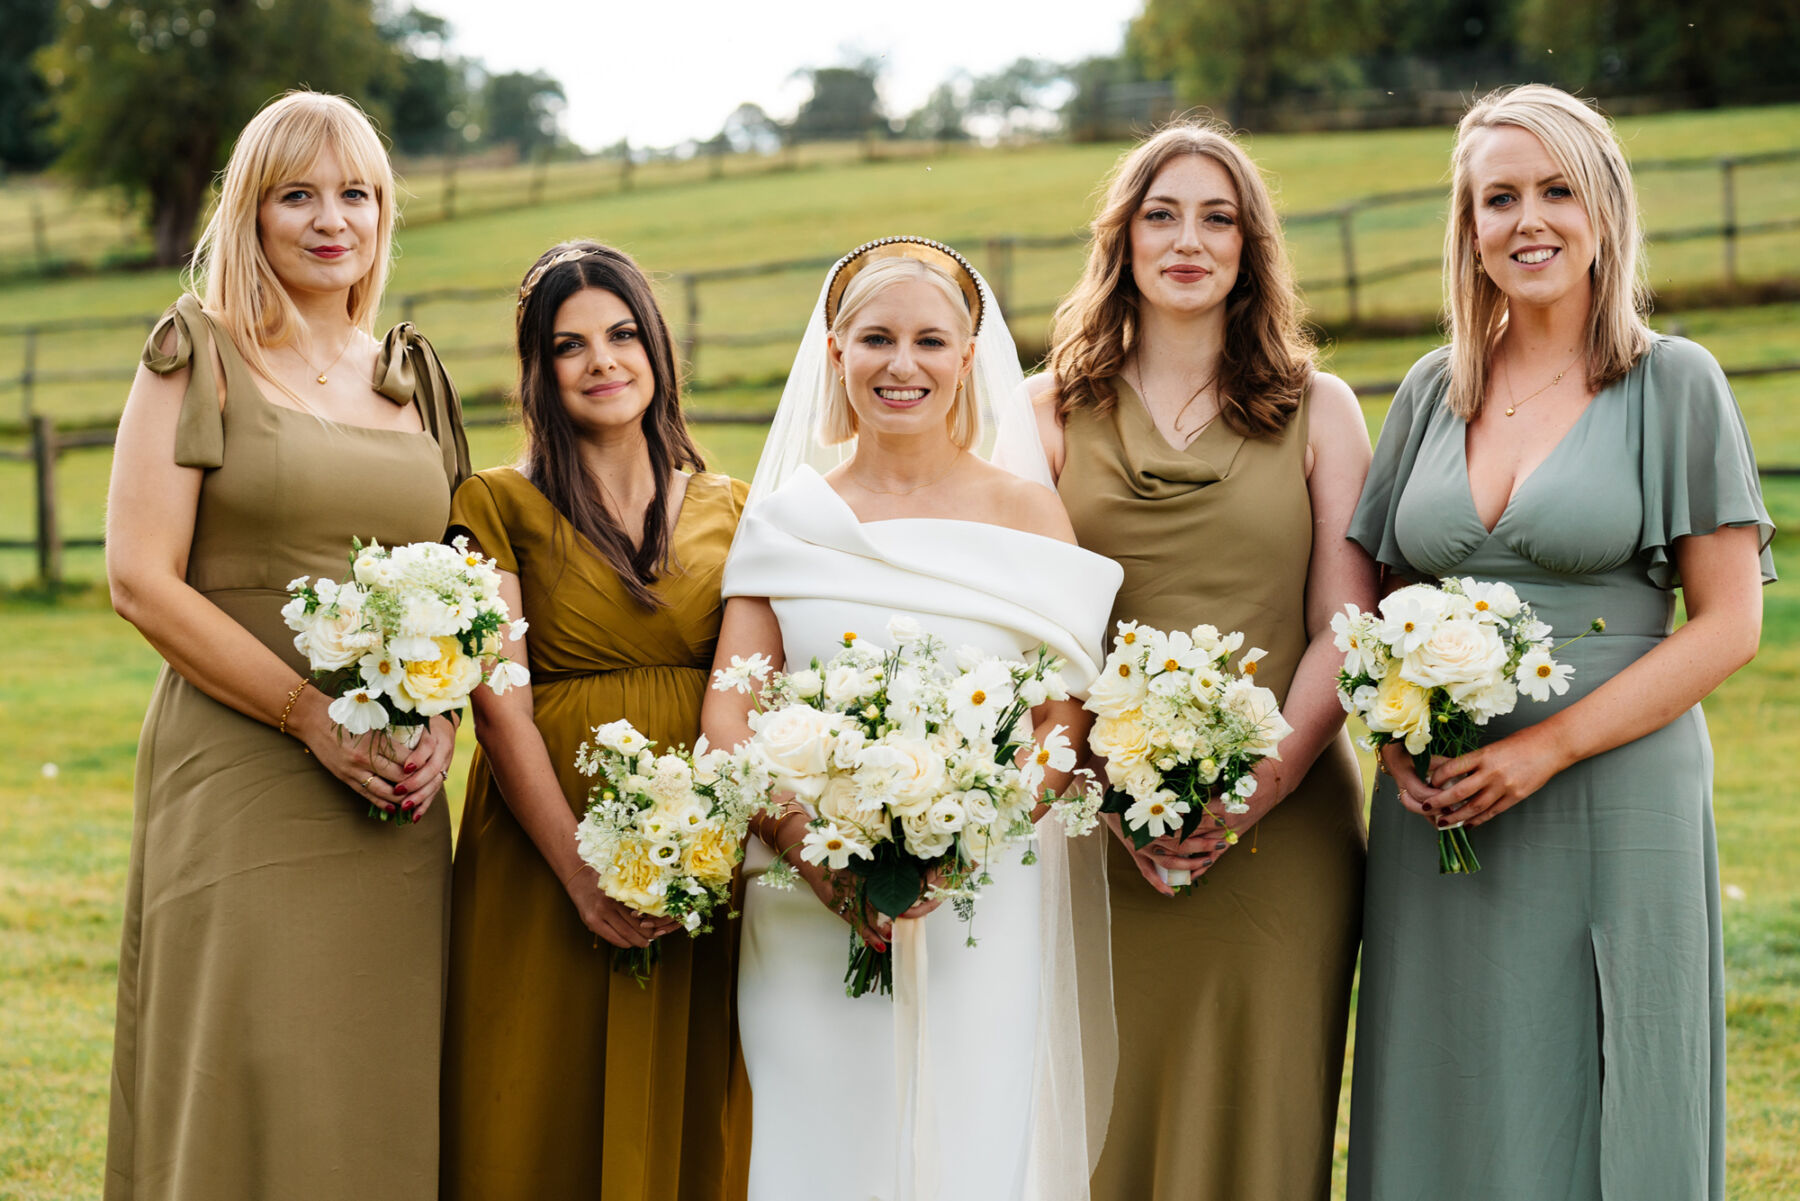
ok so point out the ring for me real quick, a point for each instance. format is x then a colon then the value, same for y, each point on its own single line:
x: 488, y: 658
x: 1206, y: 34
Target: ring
x: 1405, y: 796
x: 444, y: 774
x: 365, y: 784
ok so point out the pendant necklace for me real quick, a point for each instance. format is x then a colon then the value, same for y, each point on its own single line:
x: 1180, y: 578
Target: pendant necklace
x: 1138, y: 369
x: 1554, y: 380
x: 340, y: 354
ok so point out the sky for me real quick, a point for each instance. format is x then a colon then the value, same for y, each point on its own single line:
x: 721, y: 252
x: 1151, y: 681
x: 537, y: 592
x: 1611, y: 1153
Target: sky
x: 662, y: 71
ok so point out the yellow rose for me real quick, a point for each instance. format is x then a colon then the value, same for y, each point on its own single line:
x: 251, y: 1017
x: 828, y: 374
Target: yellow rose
x: 1124, y: 740
x: 434, y: 686
x: 1402, y: 708
x: 633, y: 879
x: 711, y: 855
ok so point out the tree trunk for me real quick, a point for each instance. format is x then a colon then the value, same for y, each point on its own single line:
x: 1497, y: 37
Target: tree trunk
x: 176, y: 200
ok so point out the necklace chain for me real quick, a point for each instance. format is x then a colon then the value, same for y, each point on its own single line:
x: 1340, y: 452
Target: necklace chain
x: 1556, y: 379
x: 334, y: 358
x: 1137, y: 367
x: 937, y: 479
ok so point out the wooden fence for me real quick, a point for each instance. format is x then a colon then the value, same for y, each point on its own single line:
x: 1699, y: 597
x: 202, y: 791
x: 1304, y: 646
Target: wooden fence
x: 46, y: 444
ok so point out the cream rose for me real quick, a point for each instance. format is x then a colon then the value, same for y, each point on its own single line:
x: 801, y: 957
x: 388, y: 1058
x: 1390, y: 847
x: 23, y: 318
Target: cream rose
x: 433, y: 686
x: 1404, y: 709
x: 1124, y: 740
x: 1463, y: 655
x: 710, y: 856
x: 330, y: 643
x: 795, y: 744
x: 910, y: 771
x: 632, y: 878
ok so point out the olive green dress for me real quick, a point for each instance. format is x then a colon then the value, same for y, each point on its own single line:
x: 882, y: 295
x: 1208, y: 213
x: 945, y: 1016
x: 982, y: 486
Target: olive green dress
x: 1232, y: 1000
x: 564, y: 1079
x: 1552, y: 1028
x: 281, y: 973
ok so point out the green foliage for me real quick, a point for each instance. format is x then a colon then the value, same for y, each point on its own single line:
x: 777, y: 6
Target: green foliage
x: 1718, y: 53
x: 427, y: 96
x: 522, y: 109
x: 843, y: 104
x: 152, y: 91
x: 24, y: 96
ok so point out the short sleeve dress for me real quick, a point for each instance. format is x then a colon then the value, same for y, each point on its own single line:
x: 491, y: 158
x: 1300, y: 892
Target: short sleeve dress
x: 281, y: 973
x: 562, y: 1077
x: 1552, y: 1028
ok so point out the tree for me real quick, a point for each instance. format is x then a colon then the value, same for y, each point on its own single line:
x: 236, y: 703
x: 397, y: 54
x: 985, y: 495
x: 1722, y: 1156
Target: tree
x: 750, y: 130
x: 428, y: 95
x: 153, y: 91
x: 843, y: 104
x: 523, y: 109
x: 1022, y: 97
x: 24, y: 97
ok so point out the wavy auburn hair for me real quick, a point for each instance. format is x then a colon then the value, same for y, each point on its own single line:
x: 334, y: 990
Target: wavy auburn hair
x: 1587, y: 151
x: 1267, y: 361
x: 552, y: 458
x: 231, y: 273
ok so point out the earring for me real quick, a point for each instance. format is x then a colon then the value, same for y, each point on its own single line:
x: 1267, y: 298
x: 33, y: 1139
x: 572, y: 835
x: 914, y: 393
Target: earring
x: 1478, y: 265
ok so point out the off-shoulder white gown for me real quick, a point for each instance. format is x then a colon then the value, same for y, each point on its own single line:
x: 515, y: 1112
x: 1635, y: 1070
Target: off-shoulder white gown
x: 827, y: 1125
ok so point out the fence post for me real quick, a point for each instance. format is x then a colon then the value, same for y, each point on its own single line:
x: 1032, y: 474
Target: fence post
x: 40, y: 234
x: 1728, y: 203
x: 690, y: 334
x: 1347, y: 240
x: 28, y: 376
x: 449, y: 202
x: 537, y: 176
x: 49, y: 539
x: 409, y: 305
x: 625, y: 166
x: 1000, y: 270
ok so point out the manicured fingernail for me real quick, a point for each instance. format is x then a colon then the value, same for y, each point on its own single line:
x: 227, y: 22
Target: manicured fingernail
x: 1425, y: 805
x: 399, y: 790
x: 410, y: 768
x: 418, y: 814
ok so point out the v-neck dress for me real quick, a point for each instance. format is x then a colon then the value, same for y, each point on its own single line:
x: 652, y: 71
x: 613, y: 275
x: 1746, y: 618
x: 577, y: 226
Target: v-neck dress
x: 1552, y: 1028
x: 564, y: 1079
x: 281, y: 972
x: 1233, y: 1000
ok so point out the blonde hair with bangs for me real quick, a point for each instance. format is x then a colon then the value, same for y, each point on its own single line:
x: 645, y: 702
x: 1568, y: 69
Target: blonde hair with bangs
x: 230, y: 272
x: 1588, y: 153
x: 838, y: 422
x: 1267, y: 361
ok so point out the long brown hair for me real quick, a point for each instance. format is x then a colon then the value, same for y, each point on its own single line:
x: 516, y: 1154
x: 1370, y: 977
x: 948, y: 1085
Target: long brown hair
x: 1582, y: 143
x: 1267, y: 360
x: 552, y: 458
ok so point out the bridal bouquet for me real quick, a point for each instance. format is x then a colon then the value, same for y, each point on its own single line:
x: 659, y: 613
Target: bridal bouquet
x: 1435, y: 664
x: 1180, y: 733
x: 665, y: 832
x: 910, y: 760
x: 411, y: 633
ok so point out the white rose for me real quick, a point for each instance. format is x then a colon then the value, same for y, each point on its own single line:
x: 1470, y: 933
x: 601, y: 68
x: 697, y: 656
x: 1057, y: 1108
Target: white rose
x: 921, y: 839
x: 1119, y: 688
x: 795, y: 745
x: 844, y: 684
x: 806, y: 684
x: 1460, y: 654
x: 912, y: 771
x: 945, y: 815
x: 330, y: 643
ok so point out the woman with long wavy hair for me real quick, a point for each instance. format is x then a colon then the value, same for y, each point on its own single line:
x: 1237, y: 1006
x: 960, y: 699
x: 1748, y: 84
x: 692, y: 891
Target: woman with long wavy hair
x: 562, y: 1077
x: 1195, y: 443
x: 281, y: 973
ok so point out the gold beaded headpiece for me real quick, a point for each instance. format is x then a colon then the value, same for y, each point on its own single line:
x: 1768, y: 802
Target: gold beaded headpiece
x: 904, y: 247
x: 531, y: 281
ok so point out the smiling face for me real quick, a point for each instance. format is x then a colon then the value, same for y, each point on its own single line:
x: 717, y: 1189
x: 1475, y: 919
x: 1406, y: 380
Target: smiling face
x: 1535, y: 237
x: 1186, y: 237
x: 319, y: 231
x: 902, y: 355
x: 603, y: 370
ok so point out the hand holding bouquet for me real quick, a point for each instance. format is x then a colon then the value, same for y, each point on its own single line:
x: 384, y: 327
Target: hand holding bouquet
x: 1435, y: 664
x: 411, y: 633
x: 1180, y: 734
x: 910, y: 760
x: 665, y: 832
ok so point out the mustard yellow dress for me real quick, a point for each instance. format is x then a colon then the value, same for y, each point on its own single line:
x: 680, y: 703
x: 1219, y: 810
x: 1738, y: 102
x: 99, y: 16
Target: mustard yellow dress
x: 564, y: 1079
x: 1233, y: 1000
x: 281, y: 975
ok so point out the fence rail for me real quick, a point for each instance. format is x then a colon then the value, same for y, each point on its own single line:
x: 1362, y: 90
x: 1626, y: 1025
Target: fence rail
x: 46, y: 444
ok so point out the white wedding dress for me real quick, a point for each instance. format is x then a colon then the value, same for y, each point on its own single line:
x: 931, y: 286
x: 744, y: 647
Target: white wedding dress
x: 828, y: 1124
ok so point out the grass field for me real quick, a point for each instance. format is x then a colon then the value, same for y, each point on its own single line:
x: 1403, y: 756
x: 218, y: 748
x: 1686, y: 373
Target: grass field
x: 78, y: 677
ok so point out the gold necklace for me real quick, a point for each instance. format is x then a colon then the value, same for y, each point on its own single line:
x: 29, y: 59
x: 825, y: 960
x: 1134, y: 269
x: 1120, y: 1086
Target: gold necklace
x: 1554, y: 380
x: 1137, y: 367
x: 937, y: 479
x: 334, y: 358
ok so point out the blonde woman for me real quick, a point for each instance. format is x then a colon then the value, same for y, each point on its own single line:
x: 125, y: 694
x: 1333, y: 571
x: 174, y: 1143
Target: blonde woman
x: 281, y: 977
x: 1195, y: 444
x: 1553, y: 1027
x: 933, y: 503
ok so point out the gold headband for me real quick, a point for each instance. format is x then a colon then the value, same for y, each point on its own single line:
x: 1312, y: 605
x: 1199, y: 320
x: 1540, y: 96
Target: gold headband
x: 531, y: 281
x: 934, y: 254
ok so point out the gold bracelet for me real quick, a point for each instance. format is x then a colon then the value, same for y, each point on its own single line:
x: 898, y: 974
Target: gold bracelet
x: 584, y: 867
x: 281, y: 727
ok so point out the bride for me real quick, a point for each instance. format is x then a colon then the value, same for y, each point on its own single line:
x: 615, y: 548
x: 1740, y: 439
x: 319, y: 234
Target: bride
x: 974, y: 1082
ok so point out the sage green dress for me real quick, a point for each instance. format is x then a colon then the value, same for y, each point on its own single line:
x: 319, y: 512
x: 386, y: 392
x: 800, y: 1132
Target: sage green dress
x: 281, y: 976
x: 1233, y: 1001
x: 1552, y: 1028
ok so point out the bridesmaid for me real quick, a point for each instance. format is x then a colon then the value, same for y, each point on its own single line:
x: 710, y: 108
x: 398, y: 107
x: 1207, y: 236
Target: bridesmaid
x: 1195, y: 443
x: 281, y: 975
x: 1553, y: 1027
x: 562, y: 1077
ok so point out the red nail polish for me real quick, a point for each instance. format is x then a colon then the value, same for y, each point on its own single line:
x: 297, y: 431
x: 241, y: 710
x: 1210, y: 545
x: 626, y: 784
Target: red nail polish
x: 410, y: 768
x: 399, y: 790
x: 1425, y: 805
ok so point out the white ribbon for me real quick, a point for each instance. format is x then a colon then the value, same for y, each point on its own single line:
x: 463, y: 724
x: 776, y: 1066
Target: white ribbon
x: 917, y: 1166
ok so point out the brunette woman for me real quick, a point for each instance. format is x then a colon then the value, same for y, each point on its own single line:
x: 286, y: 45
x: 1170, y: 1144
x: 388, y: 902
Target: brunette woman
x: 562, y: 1077
x: 281, y: 978
x: 1195, y: 443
